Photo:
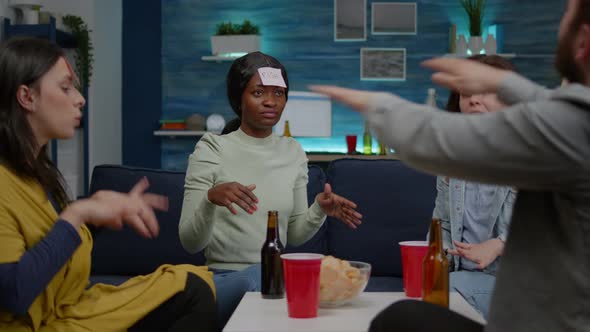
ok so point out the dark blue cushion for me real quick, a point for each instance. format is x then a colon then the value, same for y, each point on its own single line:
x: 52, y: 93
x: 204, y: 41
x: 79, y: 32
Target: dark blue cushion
x: 385, y: 284
x: 318, y: 243
x: 126, y: 253
x: 396, y: 202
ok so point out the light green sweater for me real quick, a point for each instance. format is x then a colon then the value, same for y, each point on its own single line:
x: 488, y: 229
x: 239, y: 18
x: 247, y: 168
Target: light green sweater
x: 278, y: 168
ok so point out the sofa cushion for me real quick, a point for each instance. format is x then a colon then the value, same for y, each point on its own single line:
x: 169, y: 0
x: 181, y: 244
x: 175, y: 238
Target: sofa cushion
x: 318, y: 243
x: 396, y: 202
x: 126, y: 253
x: 385, y: 284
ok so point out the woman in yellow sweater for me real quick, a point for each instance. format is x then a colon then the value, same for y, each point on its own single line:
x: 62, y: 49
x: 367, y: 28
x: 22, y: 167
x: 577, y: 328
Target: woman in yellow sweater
x: 44, y: 243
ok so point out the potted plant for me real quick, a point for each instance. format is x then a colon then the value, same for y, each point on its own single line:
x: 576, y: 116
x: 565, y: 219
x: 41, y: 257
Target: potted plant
x: 475, y: 11
x: 230, y: 38
x: 83, y: 56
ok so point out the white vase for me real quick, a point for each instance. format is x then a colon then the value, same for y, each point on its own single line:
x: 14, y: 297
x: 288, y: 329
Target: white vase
x: 25, y: 3
x: 30, y: 16
x: 491, y: 46
x: 234, y: 44
x: 475, y: 44
x: 27, y: 14
x: 461, y: 48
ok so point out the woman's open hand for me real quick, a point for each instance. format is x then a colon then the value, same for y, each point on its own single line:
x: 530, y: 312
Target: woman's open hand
x: 482, y: 254
x: 226, y: 194
x: 113, y: 209
x: 339, y: 207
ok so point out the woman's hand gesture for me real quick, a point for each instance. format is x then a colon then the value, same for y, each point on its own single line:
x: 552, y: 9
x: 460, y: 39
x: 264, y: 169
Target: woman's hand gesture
x: 339, y: 207
x: 226, y: 194
x: 482, y: 254
x: 113, y: 209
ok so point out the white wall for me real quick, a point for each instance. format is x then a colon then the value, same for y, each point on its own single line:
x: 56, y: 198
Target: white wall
x: 3, y: 13
x: 82, y: 8
x: 105, y: 119
x: 6, y: 11
x: 70, y: 153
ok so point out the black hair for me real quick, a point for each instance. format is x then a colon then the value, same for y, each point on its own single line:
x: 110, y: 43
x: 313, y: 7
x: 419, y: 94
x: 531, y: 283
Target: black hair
x: 582, y: 14
x: 24, y: 61
x: 231, y: 126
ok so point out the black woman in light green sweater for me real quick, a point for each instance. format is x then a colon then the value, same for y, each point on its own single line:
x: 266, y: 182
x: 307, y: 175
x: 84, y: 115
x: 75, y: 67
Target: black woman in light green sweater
x: 234, y: 179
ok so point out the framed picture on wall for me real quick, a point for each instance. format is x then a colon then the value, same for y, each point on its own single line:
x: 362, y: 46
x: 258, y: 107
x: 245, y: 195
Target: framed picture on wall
x: 394, y: 18
x: 350, y: 20
x: 383, y: 64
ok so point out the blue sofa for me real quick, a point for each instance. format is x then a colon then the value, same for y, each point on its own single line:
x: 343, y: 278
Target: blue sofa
x: 396, y: 203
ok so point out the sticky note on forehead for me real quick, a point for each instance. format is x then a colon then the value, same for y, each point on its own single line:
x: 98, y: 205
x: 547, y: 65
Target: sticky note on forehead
x: 271, y: 76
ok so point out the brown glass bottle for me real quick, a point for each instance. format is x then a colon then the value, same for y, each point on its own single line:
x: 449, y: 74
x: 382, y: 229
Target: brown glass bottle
x: 435, y: 269
x: 287, y: 130
x: 272, y: 267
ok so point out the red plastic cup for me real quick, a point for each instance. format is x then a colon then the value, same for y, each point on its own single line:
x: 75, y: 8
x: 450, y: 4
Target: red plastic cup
x: 351, y: 144
x: 302, y: 284
x: 413, y: 253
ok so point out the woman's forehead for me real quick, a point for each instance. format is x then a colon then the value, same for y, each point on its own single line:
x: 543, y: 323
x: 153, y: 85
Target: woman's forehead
x: 256, y: 81
x: 62, y: 69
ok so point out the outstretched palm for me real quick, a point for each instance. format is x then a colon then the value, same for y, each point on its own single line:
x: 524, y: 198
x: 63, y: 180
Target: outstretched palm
x: 339, y: 207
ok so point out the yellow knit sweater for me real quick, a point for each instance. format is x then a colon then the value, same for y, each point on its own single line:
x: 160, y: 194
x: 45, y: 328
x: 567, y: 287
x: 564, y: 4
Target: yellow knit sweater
x: 26, y: 216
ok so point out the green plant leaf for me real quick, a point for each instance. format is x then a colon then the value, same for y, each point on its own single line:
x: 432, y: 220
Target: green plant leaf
x: 475, y: 10
x: 84, y: 55
x: 228, y: 28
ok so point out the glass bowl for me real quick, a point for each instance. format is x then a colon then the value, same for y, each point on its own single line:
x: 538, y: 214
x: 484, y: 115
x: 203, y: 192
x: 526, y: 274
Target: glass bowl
x: 340, y: 285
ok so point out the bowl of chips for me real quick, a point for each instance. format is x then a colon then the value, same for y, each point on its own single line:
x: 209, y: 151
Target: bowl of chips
x: 342, y: 281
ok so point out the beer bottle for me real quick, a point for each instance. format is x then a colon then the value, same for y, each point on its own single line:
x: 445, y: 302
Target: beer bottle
x: 382, y: 149
x: 367, y: 140
x: 272, y: 268
x: 435, y: 269
x: 287, y: 130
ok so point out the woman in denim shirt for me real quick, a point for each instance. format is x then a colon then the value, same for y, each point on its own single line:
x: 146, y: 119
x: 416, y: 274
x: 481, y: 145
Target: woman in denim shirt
x: 475, y: 216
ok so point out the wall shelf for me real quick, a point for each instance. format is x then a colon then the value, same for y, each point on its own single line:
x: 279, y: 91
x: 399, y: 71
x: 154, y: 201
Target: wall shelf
x: 218, y: 58
x: 182, y: 133
x: 504, y: 55
x: 48, y: 31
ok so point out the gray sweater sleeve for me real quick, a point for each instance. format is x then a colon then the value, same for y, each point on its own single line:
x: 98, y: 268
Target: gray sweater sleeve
x: 517, y: 89
x: 528, y: 145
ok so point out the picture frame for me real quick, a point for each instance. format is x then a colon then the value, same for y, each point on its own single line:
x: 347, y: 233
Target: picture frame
x: 350, y: 20
x: 309, y: 115
x: 383, y: 64
x: 394, y: 18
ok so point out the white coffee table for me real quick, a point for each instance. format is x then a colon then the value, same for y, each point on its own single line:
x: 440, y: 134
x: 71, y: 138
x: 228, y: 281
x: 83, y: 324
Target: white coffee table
x: 255, y: 314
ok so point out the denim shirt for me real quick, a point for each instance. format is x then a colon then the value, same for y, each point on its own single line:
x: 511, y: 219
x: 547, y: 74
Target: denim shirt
x: 450, y: 206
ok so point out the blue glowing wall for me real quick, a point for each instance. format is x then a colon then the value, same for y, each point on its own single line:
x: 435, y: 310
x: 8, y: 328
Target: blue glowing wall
x: 300, y: 35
